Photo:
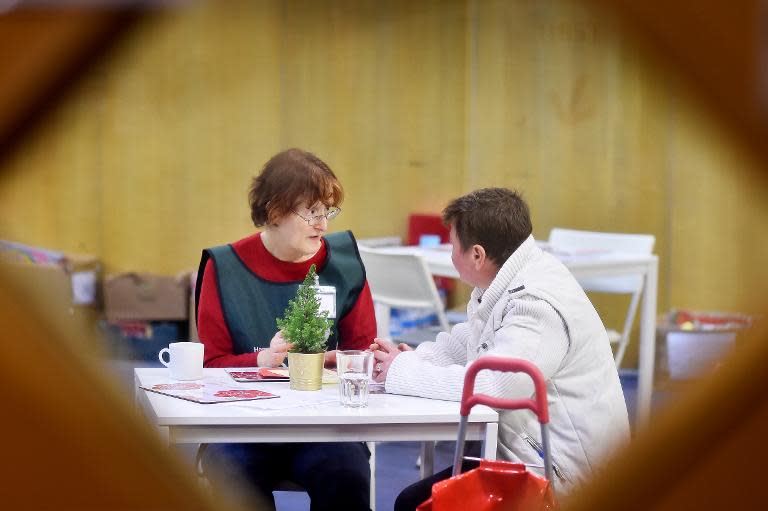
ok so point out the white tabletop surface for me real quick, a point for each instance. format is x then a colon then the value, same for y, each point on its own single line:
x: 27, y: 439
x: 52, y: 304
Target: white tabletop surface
x: 297, y: 408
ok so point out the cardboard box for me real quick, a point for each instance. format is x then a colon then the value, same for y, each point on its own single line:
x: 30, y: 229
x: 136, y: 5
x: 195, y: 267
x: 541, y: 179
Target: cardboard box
x: 62, y: 287
x: 695, y: 354
x: 145, y: 296
x: 73, y: 277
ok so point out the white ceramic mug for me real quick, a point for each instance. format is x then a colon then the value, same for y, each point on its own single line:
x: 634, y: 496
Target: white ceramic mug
x: 185, y: 360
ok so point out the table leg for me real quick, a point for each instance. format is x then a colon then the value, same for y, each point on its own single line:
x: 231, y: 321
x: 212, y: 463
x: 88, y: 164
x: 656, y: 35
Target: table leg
x: 136, y: 391
x: 372, y: 462
x: 647, y: 344
x: 427, y: 459
x: 490, y: 441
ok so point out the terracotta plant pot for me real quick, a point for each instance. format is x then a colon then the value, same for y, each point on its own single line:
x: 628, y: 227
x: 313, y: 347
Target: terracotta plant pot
x: 306, y: 370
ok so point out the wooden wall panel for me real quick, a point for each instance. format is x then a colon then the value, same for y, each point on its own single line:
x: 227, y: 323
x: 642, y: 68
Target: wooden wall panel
x: 377, y: 88
x: 191, y: 107
x: 562, y: 108
x: 718, y: 216
x: 50, y: 194
x: 40, y: 49
x: 557, y: 110
x: 412, y: 103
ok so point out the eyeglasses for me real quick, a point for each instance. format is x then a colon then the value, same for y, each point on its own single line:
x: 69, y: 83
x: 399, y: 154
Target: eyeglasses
x: 329, y: 215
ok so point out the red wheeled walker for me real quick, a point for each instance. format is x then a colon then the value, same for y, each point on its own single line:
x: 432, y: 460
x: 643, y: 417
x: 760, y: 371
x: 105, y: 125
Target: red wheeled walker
x: 497, y: 485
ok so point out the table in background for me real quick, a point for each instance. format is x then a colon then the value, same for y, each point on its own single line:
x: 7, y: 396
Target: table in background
x: 582, y: 266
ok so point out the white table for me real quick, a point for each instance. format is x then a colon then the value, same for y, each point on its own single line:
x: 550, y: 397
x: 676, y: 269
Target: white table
x: 387, y: 418
x: 599, y: 264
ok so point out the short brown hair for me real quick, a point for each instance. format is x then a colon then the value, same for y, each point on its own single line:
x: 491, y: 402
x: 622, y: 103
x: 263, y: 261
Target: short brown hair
x: 497, y: 219
x: 289, y: 178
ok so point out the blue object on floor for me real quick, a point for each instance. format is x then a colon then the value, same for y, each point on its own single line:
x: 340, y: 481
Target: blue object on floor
x: 143, y: 340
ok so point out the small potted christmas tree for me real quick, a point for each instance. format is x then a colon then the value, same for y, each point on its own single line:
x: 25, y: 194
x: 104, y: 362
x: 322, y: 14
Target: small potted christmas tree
x: 307, y: 329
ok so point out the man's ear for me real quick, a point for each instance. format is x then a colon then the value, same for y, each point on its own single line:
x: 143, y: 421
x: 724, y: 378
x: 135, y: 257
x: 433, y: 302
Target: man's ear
x: 478, y: 256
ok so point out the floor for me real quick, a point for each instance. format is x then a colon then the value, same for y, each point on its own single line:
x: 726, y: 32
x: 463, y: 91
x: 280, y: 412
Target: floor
x: 395, y: 461
x: 395, y: 469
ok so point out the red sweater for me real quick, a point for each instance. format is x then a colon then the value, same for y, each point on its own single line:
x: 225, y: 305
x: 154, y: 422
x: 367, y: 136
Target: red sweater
x: 356, y: 330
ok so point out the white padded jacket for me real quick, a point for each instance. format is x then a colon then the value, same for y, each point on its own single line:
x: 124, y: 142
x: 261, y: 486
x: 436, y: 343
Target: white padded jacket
x: 535, y: 310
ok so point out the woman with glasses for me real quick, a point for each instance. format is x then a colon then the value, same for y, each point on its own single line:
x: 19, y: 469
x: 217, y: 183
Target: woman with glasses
x: 244, y: 286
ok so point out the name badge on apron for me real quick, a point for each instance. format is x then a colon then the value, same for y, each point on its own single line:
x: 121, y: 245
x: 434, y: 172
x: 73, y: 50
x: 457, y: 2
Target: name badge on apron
x: 327, y: 297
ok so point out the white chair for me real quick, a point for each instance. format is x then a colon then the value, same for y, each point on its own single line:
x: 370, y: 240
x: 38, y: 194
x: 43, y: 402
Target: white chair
x: 402, y: 281
x: 573, y: 241
x: 383, y: 241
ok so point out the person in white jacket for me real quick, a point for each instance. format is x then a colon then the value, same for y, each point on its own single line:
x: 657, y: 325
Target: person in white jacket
x: 527, y: 305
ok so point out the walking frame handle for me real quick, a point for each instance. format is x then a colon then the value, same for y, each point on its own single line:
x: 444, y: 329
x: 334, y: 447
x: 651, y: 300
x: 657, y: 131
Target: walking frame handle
x: 537, y: 404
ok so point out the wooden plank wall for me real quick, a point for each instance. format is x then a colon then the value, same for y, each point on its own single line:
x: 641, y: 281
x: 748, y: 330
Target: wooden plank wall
x: 412, y: 103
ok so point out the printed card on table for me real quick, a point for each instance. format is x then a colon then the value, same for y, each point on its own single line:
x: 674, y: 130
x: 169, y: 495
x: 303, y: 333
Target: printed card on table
x: 208, y: 392
x: 263, y: 374
x: 251, y: 374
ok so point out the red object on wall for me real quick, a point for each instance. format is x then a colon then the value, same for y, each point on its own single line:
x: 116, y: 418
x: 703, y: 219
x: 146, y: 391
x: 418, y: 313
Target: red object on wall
x: 421, y: 223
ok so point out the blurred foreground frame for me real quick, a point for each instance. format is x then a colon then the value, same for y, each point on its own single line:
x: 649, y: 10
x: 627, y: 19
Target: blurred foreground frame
x: 76, y: 443
x: 73, y: 440
x: 705, y: 452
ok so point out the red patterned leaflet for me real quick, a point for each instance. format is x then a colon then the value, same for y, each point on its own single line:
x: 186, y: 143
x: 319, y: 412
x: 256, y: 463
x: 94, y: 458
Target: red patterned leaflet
x: 242, y: 393
x: 262, y: 374
x: 266, y: 373
x: 245, y: 375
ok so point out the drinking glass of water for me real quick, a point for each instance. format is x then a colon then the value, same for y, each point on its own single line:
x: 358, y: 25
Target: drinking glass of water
x: 355, y: 368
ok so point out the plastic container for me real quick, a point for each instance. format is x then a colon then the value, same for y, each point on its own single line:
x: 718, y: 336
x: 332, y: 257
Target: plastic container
x: 694, y: 354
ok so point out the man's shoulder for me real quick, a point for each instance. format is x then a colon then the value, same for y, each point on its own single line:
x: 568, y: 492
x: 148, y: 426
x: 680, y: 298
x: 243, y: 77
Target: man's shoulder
x: 545, y: 270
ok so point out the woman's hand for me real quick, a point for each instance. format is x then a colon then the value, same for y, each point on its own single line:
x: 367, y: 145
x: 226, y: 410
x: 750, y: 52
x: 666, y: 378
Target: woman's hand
x: 329, y: 360
x: 400, y: 347
x: 384, y: 352
x: 276, y: 353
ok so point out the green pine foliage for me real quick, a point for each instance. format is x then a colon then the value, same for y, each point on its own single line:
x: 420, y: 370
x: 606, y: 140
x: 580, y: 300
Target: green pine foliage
x: 303, y: 324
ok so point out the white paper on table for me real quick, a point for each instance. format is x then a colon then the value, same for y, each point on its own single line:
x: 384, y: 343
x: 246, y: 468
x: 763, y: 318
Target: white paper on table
x: 296, y: 399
